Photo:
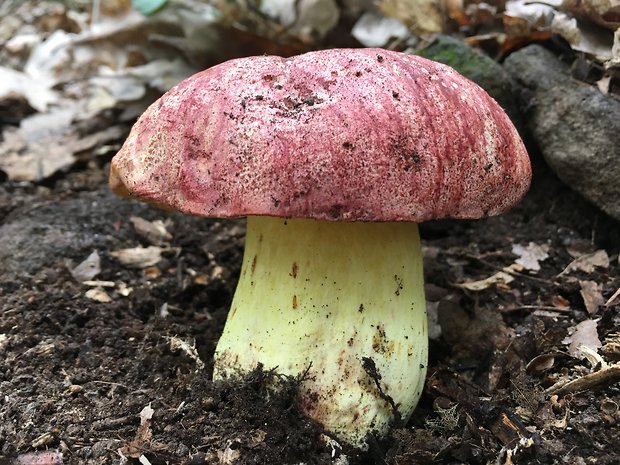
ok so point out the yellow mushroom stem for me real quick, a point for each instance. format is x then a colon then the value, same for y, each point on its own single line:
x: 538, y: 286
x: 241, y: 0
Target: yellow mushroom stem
x: 326, y: 297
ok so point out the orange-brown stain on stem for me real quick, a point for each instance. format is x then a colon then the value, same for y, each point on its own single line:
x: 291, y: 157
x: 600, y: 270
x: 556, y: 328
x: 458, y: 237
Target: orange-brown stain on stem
x: 294, y: 270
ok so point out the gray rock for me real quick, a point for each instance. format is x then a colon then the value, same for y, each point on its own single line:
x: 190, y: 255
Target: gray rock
x: 576, y: 127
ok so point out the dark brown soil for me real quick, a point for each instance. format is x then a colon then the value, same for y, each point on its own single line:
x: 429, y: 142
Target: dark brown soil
x: 75, y: 374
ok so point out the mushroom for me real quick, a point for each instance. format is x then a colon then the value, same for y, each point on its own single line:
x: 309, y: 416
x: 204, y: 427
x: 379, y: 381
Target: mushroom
x: 334, y: 157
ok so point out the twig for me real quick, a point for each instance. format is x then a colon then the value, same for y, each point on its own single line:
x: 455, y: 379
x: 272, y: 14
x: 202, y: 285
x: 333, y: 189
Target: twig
x: 501, y: 268
x: 599, y: 379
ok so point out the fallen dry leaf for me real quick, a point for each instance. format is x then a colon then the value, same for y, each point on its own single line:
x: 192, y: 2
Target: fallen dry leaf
x: 228, y: 456
x: 522, y: 17
x: 141, y: 441
x: 146, y: 414
x: 592, y: 296
x: 98, y: 295
x: 88, y: 269
x: 15, y: 84
x: 605, y: 13
x: 531, y: 255
x: 423, y: 17
x: 583, y: 37
x: 500, y: 278
x: 375, y: 30
x: 189, y: 349
x: 525, y: 20
x: 303, y: 17
x: 46, y: 143
x: 585, y: 333
x: 138, y: 257
x: 613, y: 65
x: 154, y: 232
x: 588, y: 263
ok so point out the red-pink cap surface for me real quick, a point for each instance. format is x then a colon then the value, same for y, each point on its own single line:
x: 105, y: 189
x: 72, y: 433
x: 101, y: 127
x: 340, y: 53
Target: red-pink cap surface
x: 353, y: 135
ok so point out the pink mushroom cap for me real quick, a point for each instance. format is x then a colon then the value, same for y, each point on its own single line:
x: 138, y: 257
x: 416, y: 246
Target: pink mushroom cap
x: 343, y: 134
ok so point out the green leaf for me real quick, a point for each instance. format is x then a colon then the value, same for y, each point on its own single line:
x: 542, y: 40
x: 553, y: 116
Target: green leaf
x: 148, y: 7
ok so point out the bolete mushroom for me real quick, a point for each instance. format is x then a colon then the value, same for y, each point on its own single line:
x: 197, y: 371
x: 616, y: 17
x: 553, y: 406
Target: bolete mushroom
x: 334, y: 157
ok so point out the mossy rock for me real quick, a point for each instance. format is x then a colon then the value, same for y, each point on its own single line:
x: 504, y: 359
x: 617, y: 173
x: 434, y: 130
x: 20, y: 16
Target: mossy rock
x: 477, y: 66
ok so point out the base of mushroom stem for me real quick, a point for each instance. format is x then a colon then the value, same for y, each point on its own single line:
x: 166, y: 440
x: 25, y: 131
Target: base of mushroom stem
x: 327, y: 298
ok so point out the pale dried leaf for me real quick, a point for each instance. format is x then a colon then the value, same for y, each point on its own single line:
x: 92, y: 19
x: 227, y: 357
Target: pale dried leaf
x: 603, y: 84
x: 531, y: 255
x: 424, y: 17
x: 592, y: 295
x: 138, y: 257
x: 614, y: 62
x: 146, y: 414
x: 588, y: 262
x: 153, y: 231
x: 49, y: 58
x: 585, y: 333
x: 143, y: 435
x: 228, y: 456
x: 46, y: 143
x: 522, y: 17
x: 160, y: 74
x: 605, y: 13
x: 188, y: 348
x: 316, y: 16
x: 22, y: 44
x: 88, y: 269
x: 14, y: 84
x: 500, y: 278
x: 124, y: 290
x: 304, y: 16
x: 163, y: 310
x: 108, y: 91
x: 374, y: 30
x: 583, y: 37
x: 98, y: 295
x: 592, y: 356
x: 114, y: 87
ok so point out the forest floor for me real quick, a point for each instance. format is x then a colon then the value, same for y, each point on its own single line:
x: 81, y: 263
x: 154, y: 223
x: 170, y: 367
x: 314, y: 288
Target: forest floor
x: 104, y: 372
